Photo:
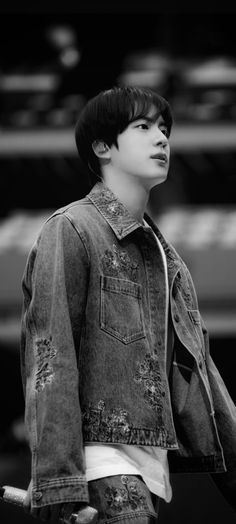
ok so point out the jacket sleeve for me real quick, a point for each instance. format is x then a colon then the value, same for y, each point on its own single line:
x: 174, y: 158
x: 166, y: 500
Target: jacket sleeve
x: 55, y: 290
x: 225, y: 416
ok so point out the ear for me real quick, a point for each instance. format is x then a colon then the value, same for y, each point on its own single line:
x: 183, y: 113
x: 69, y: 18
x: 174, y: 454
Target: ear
x: 101, y: 149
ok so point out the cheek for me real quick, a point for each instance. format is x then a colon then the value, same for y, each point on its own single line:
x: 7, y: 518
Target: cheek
x: 129, y: 154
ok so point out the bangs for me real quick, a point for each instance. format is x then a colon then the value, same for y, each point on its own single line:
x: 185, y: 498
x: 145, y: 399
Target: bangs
x: 123, y: 105
x: 143, y: 102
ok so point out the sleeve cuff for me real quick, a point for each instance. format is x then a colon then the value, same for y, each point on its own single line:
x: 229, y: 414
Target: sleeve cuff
x: 58, y: 491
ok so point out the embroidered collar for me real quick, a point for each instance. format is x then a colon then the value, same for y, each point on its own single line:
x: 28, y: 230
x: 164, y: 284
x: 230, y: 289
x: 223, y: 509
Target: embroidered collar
x: 114, y: 212
x: 120, y: 219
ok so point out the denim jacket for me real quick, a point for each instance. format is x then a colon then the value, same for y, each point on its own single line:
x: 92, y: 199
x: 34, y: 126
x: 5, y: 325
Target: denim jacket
x: 93, y: 352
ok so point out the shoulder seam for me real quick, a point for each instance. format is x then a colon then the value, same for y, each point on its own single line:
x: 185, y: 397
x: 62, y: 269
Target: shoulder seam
x: 70, y: 219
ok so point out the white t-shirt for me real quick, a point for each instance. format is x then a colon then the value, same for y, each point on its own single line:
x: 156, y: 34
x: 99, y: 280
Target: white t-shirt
x: 150, y: 462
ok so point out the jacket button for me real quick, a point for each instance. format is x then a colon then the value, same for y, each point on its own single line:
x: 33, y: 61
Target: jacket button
x: 176, y: 317
x: 37, y: 495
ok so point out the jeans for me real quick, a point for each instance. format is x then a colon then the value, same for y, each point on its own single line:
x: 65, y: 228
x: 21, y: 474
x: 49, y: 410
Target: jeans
x: 124, y: 499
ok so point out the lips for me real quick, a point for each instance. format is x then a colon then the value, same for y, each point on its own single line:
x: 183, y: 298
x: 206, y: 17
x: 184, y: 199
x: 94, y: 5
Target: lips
x: 160, y: 156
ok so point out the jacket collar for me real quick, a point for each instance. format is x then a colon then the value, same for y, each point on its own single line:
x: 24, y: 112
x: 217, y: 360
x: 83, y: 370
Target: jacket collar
x: 114, y: 212
x: 121, y: 221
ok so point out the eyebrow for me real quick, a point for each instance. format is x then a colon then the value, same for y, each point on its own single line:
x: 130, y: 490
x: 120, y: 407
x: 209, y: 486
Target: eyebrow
x: 150, y: 120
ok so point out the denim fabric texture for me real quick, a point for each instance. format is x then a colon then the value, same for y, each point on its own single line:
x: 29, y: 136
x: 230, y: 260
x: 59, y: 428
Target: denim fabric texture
x: 93, y: 352
x: 124, y: 499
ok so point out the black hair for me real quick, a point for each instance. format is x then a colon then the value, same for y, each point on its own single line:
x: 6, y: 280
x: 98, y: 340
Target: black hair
x: 109, y: 113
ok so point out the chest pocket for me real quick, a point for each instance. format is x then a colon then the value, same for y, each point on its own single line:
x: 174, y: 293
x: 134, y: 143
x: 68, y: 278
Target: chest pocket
x: 121, y: 310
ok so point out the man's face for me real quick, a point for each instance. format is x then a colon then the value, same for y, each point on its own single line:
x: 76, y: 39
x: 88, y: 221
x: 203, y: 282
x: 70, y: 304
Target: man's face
x: 143, y: 151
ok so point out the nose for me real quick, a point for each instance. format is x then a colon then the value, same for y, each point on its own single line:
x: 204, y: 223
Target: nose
x: 160, y: 138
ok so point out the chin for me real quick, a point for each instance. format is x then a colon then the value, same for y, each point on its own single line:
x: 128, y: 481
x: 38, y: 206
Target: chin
x: 160, y: 179
x: 153, y: 180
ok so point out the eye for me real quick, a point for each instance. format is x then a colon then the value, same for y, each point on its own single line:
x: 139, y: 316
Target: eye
x: 142, y: 126
x: 165, y: 131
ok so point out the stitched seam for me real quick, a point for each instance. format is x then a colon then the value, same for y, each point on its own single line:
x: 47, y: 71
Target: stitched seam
x: 129, y: 515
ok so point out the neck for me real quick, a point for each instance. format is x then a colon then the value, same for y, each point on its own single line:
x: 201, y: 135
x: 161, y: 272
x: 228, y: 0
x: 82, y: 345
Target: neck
x: 130, y: 192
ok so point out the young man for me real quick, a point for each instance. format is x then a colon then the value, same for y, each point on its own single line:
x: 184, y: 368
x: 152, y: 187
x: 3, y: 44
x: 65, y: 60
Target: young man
x: 119, y: 383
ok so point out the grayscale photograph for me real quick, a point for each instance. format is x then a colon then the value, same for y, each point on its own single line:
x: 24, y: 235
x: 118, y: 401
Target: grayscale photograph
x: 117, y: 263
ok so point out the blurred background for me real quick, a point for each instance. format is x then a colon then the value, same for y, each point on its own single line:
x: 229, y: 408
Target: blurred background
x: 51, y: 63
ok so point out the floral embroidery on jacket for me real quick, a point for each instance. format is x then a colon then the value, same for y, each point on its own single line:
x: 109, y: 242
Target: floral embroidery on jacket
x: 110, y: 425
x: 104, y: 425
x: 148, y: 374
x: 127, y: 497
x: 45, y: 352
x: 115, y: 261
